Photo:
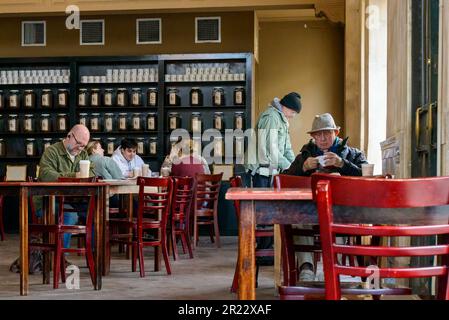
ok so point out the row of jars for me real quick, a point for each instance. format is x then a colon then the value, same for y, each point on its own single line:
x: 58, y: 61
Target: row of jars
x: 196, y: 98
x: 196, y: 121
x: 30, y: 123
x: 119, y: 97
x: 219, y: 147
x: 30, y: 146
x: 122, y: 122
x: 29, y: 99
x: 145, y: 146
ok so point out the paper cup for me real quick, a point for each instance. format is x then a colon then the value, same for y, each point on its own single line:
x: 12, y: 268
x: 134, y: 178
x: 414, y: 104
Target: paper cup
x: 84, y: 168
x: 137, y: 172
x: 145, y: 170
x: 367, y: 170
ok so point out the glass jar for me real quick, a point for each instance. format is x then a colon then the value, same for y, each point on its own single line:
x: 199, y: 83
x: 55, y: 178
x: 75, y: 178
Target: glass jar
x: 95, y: 98
x: 152, y: 97
x: 140, y: 146
x: 30, y: 147
x: 28, y: 123
x: 123, y: 121
x: 46, y: 98
x: 174, y: 121
x: 239, y: 96
x: 61, y: 122
x: 196, y: 97
x: 219, y: 121
x: 218, y: 147
x: 14, y: 99
x: 173, y: 99
x: 153, y: 146
x: 45, y: 123
x: 108, y: 97
x: 196, y: 147
x: 122, y: 97
x: 2, y: 148
x: 110, y: 146
x: 29, y: 101
x: 239, y: 120
x: 239, y: 146
x: 109, y: 122
x: 136, y: 97
x: 151, y: 122
x: 196, y: 122
x: 82, y: 98
x: 136, y: 121
x: 218, y: 97
x: 2, y: 101
x: 47, y: 142
x: 63, y: 98
x: 13, y: 123
x: 95, y: 122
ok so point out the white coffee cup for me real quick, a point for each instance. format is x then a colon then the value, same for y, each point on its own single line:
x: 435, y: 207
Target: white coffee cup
x: 321, y: 161
x: 367, y: 170
x: 137, y: 172
x: 165, y: 171
x: 145, y: 170
x: 84, y: 168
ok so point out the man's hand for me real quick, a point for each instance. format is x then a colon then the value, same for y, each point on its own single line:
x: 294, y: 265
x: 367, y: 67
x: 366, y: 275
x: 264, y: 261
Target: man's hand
x: 332, y: 160
x: 310, y: 164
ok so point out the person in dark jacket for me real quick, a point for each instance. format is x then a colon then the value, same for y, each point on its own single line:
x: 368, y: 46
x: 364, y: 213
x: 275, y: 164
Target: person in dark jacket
x: 325, y: 153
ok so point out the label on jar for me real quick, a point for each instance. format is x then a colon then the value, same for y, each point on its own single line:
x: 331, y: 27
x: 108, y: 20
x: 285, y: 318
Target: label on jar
x: 173, y: 123
x: 218, y: 123
x: 238, y: 97
x: 238, y: 147
x: 196, y: 147
x: 82, y: 99
x: 121, y: 99
x: 30, y: 149
x: 172, y: 99
x: 140, y: 147
x: 195, y: 98
x: 45, y: 100
x: 46, y: 145
x: 83, y: 121
x: 151, y: 123
x: 196, y: 125
x: 218, y: 148
x: 136, y: 123
x: 153, y: 147
x: 94, y: 99
x: 13, y: 101
x: 94, y: 124
x: 62, y: 100
x: 110, y: 147
x: 108, y: 99
x: 136, y: 99
x: 238, y: 123
x: 28, y: 124
x: 217, y: 98
x: 152, y: 98
x: 122, y: 123
x: 62, y: 124
x: 44, y: 124
x: 28, y: 101
x: 12, y: 125
x: 108, y: 124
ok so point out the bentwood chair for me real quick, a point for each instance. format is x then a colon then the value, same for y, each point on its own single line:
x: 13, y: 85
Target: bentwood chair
x: 417, y: 194
x: 236, y: 182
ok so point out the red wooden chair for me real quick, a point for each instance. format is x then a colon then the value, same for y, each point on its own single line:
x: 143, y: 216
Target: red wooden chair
x: 180, y: 214
x: 377, y: 193
x: 205, y: 205
x: 236, y: 182
x: 2, y: 229
x: 59, y: 229
x: 152, y: 217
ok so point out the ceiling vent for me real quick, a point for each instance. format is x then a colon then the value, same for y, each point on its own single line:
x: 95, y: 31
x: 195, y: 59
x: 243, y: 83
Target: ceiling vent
x: 92, y: 32
x: 207, y: 29
x: 149, y: 31
x: 33, y: 33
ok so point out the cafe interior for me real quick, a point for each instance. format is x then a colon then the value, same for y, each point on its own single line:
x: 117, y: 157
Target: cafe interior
x: 145, y: 70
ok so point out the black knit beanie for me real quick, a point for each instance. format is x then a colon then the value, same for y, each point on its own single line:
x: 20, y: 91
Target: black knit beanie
x: 292, y: 101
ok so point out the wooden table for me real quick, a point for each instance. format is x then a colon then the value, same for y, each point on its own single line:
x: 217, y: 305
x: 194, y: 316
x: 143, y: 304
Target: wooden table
x: 294, y: 206
x: 26, y: 189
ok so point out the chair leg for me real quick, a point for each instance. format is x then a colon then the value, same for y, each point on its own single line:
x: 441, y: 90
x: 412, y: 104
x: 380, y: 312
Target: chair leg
x: 195, y: 231
x: 316, y: 259
x: 134, y: 257
x: 165, y: 255
x: 63, y: 268
x: 211, y: 233
x: 141, y: 264
x: 157, y: 258
x: 235, y: 280
x: 57, y: 260
x: 173, y: 241
x: 90, y: 261
x: 257, y: 274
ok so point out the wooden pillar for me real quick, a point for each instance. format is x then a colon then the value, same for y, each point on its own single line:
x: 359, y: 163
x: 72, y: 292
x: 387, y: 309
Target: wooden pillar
x: 443, y: 102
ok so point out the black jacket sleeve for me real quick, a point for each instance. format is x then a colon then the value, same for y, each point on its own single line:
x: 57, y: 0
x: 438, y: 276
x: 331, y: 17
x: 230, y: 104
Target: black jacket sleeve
x: 353, y: 160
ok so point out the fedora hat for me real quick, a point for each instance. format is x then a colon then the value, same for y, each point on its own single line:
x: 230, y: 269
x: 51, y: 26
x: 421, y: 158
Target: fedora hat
x: 323, y: 122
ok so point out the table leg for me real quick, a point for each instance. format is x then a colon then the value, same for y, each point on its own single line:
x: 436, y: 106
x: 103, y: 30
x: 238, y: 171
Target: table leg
x: 247, y: 240
x: 24, y: 266
x: 106, y: 246
x: 277, y: 256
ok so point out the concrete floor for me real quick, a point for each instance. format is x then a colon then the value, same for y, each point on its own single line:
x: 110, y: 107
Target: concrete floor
x: 206, y: 277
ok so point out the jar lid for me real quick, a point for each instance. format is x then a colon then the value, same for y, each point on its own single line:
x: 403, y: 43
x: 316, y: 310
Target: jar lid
x: 62, y: 114
x: 62, y: 90
x: 83, y: 89
x: 140, y: 139
x: 96, y: 139
x: 29, y: 115
x: 95, y: 89
x: 153, y: 138
x: 108, y: 89
x: 31, y: 139
x: 123, y: 114
x: 29, y: 91
x: 15, y: 91
x: 219, y: 113
x: 95, y: 114
x: 121, y: 89
x: 112, y: 139
x: 239, y: 112
x: 172, y: 89
x: 173, y: 114
x: 239, y: 88
x: 13, y: 115
x: 195, y: 88
x: 136, y: 114
x: 218, y: 88
x: 46, y: 90
x: 108, y: 114
x: 196, y: 113
x: 136, y: 89
x: 152, y: 113
x: 45, y: 115
x: 47, y: 139
x: 155, y: 89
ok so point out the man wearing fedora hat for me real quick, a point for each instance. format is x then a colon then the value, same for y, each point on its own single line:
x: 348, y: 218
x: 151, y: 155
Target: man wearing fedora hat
x: 324, y: 153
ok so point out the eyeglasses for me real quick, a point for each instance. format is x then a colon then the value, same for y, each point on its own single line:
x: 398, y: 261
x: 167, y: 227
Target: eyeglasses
x: 325, y: 134
x: 77, y: 142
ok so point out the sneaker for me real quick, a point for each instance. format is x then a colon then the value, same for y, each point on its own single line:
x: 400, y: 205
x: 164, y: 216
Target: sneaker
x: 306, y: 275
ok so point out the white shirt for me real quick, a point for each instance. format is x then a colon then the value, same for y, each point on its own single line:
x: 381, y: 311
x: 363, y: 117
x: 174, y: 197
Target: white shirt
x: 125, y: 165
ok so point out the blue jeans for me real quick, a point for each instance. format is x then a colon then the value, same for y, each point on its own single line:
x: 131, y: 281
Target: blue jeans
x: 259, y: 181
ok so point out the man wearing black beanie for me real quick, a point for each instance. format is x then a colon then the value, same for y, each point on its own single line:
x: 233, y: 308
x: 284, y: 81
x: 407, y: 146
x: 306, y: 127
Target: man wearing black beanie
x: 273, y: 153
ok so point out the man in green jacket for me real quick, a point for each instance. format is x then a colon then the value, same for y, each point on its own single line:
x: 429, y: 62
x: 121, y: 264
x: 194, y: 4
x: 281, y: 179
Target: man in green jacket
x: 62, y: 160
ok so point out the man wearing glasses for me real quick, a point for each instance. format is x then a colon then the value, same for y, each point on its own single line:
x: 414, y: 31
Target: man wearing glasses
x: 62, y: 160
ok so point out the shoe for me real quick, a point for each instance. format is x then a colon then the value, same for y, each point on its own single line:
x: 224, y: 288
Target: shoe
x: 306, y: 275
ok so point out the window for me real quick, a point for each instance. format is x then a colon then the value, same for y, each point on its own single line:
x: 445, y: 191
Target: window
x: 148, y: 31
x: 208, y: 30
x: 92, y: 32
x: 33, y: 33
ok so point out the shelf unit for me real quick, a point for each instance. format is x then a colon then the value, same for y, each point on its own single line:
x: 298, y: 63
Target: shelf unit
x: 81, y: 68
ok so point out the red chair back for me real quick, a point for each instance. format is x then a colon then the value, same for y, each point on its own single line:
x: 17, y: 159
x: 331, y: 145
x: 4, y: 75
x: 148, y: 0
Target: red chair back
x: 188, y: 167
x: 182, y: 198
x: 380, y: 193
x: 207, y: 190
x: 236, y: 182
x: 285, y: 181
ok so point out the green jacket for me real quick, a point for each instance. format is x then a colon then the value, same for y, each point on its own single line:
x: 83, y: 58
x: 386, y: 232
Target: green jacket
x: 273, y: 152
x: 105, y: 167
